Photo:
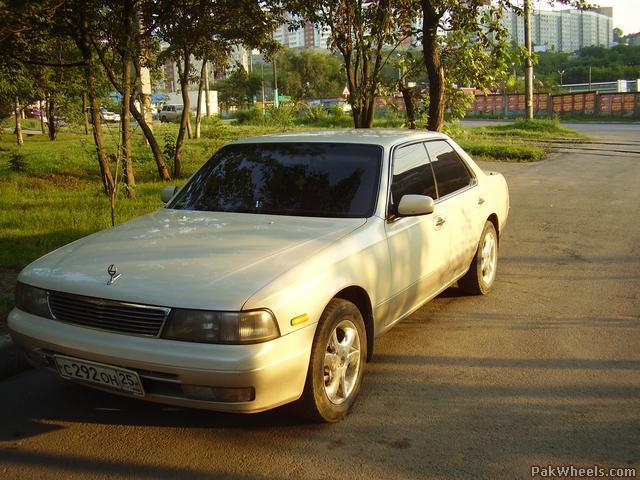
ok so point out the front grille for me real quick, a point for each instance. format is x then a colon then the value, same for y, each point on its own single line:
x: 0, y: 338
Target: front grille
x: 107, y: 314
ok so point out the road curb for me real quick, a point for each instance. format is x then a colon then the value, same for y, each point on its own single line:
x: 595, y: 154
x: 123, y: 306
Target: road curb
x: 12, y: 360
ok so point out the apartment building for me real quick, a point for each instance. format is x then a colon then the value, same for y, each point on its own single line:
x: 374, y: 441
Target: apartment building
x: 293, y: 35
x: 564, y: 30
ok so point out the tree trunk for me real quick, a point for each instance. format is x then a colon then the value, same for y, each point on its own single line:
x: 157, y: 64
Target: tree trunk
x: 83, y: 41
x: 51, y: 118
x: 127, y: 165
x: 189, y: 130
x: 409, y: 105
x: 16, y: 112
x: 41, y: 117
x: 433, y: 64
x: 207, y: 95
x: 142, y: 70
x: 163, y: 172
x: 199, y: 107
x: 184, y: 119
x: 85, y: 114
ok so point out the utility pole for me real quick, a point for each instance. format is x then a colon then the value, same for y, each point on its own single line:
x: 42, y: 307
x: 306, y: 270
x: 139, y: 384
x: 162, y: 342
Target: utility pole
x: 275, y: 84
x: 589, y: 77
x: 528, y: 62
x: 262, y: 71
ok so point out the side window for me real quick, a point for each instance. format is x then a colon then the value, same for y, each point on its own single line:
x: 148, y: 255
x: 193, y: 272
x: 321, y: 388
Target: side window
x: 412, y: 174
x: 179, y: 108
x: 451, y: 173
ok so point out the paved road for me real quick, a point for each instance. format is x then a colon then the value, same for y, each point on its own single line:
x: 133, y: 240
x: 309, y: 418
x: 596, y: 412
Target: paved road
x: 545, y: 370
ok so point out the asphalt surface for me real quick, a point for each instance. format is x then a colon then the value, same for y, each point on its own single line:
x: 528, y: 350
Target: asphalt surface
x: 544, y: 370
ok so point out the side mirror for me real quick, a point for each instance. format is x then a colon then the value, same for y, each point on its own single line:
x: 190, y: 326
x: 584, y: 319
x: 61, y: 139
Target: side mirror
x: 411, y: 205
x: 167, y: 193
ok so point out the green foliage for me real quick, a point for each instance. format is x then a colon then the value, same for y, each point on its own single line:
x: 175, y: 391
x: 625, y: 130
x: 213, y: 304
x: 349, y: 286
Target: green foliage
x: 169, y: 149
x: 238, y: 89
x: 539, y: 128
x: 483, y: 149
x: 284, y: 115
x: 309, y: 74
x: 361, y: 31
x: 18, y: 162
x: 251, y: 116
x: 317, y: 112
x: 457, y: 103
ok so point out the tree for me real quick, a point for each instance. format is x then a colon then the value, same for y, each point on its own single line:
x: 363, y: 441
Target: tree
x: 15, y: 90
x: 238, y: 89
x: 471, y: 50
x: 479, y: 26
x: 189, y: 26
x: 618, y: 35
x: 366, y: 33
x: 30, y: 25
x: 310, y: 74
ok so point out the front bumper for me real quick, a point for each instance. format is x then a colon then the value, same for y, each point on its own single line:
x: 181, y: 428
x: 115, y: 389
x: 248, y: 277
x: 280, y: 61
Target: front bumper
x: 276, y: 370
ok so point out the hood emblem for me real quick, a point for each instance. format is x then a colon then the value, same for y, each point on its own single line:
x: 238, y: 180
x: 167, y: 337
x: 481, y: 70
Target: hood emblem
x: 112, y: 270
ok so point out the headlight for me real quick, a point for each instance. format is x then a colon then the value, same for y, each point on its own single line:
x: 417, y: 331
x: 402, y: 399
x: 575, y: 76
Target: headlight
x: 32, y: 300
x: 221, y: 327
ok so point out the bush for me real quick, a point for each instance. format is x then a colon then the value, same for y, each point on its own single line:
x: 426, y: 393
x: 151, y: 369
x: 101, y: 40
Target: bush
x: 250, y: 116
x: 315, y: 113
x: 169, y: 150
x: 212, y: 128
x: 284, y: 115
x: 18, y: 163
x: 337, y: 111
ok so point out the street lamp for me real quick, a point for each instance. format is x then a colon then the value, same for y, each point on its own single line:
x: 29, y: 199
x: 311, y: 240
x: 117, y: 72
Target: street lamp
x: 561, y: 72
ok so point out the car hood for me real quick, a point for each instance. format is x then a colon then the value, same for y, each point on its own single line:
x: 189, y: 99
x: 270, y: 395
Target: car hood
x: 186, y: 259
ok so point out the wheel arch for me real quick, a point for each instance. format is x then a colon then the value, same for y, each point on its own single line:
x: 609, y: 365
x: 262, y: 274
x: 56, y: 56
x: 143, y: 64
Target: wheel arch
x: 360, y: 298
x: 493, y: 218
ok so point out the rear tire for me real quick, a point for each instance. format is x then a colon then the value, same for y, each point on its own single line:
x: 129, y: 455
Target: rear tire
x: 481, y: 276
x: 336, y: 367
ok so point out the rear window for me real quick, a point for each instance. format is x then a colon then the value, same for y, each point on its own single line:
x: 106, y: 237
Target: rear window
x: 304, y: 179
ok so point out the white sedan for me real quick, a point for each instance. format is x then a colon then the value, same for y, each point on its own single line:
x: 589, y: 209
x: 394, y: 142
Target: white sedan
x: 268, y: 276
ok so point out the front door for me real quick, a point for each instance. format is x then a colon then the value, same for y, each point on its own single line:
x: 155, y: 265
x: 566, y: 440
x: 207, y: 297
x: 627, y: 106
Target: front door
x: 418, y: 245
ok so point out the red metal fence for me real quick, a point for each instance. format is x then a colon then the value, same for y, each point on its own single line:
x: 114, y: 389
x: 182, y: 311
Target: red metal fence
x: 584, y: 103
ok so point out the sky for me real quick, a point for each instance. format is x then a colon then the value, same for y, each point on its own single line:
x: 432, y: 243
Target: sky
x: 626, y: 13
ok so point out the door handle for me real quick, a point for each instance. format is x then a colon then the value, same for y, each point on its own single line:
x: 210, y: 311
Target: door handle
x: 440, y: 221
x: 480, y: 201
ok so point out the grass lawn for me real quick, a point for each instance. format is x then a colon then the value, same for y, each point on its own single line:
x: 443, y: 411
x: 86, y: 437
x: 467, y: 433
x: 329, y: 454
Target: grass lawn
x: 51, y: 192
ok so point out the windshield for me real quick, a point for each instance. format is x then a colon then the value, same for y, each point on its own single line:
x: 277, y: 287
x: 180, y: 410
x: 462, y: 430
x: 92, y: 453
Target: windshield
x: 305, y: 179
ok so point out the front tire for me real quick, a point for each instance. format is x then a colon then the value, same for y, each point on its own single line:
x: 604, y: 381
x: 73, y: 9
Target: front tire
x: 336, y: 368
x: 481, y: 276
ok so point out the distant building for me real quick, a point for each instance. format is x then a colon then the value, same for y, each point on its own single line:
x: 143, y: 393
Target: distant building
x: 296, y: 34
x: 633, y: 39
x: 564, y: 30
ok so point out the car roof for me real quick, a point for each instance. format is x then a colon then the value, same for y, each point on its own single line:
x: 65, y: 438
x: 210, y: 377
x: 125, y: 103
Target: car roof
x: 372, y: 136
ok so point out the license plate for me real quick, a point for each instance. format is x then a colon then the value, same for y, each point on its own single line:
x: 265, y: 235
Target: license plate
x: 115, y: 378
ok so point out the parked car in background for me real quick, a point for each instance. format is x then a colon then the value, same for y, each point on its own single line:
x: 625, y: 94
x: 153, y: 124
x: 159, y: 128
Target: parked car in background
x: 331, y: 103
x: 109, y: 116
x: 168, y: 113
x: 106, y: 115
x: 35, y: 112
x: 272, y: 272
